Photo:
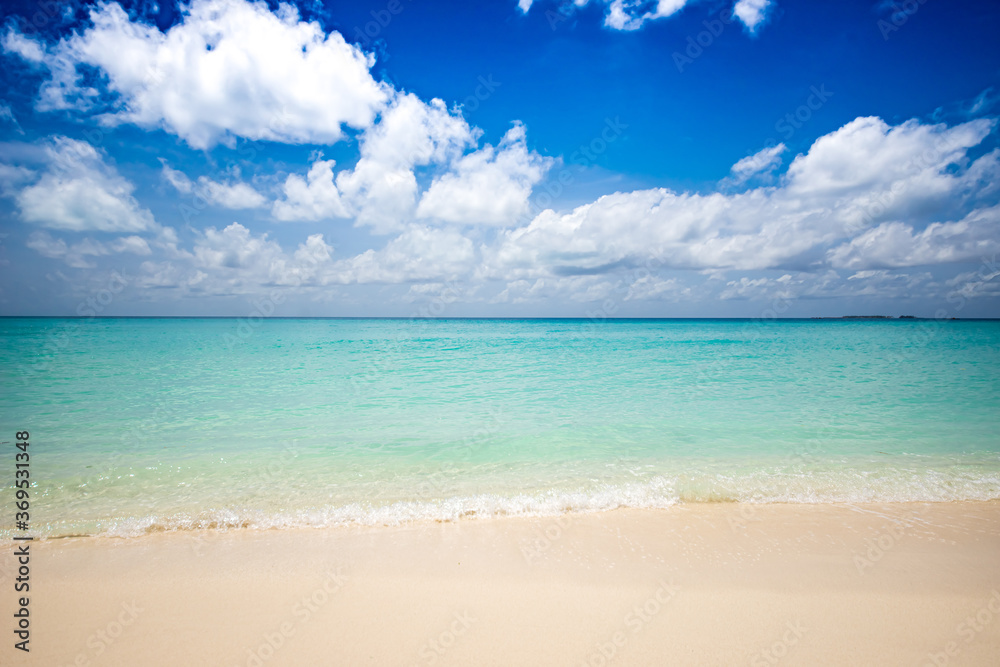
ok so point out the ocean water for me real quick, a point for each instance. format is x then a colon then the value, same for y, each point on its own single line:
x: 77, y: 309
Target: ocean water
x: 141, y: 425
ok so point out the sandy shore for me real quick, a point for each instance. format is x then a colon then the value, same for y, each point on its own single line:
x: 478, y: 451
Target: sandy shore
x: 904, y: 584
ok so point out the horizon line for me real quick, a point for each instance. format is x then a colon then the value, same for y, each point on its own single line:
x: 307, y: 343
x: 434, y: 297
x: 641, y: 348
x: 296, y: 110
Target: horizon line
x: 514, y: 317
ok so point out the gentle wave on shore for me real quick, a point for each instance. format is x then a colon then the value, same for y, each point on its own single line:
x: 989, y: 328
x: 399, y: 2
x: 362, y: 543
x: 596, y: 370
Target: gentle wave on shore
x: 397, y: 503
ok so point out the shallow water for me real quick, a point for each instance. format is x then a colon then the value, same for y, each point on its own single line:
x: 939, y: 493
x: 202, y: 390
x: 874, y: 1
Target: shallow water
x: 152, y: 424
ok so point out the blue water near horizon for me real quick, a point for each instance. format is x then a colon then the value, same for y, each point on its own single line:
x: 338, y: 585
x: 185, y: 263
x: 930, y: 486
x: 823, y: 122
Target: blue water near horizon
x: 147, y: 424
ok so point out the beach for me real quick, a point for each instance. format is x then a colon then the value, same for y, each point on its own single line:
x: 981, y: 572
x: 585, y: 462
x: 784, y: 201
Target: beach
x: 698, y: 584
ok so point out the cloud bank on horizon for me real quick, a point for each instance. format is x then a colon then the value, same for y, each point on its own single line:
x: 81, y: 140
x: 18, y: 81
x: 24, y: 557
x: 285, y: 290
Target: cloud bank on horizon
x: 873, y: 209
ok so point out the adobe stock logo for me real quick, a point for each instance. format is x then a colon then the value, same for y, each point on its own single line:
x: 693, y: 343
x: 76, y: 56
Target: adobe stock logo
x: 968, y: 630
x: 696, y: 44
x: 380, y: 20
x: 901, y: 14
x: 795, y: 120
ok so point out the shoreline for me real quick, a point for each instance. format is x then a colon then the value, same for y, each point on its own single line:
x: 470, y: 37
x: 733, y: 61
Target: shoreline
x: 253, y: 525
x: 710, y: 583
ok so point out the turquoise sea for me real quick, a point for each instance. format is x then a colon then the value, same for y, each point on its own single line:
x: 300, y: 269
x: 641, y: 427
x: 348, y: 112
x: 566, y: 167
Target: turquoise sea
x: 140, y: 425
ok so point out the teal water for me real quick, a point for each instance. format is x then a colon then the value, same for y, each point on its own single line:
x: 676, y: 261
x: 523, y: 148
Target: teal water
x: 159, y: 424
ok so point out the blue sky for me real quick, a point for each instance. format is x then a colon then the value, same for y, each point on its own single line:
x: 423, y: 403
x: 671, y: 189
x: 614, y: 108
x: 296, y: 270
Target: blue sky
x: 673, y: 159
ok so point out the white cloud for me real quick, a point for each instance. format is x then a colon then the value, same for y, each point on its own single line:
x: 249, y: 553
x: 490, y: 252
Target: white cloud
x: 869, y: 154
x: 133, y: 244
x: 314, y: 197
x: 628, y: 15
x: 866, y: 198
x: 620, y: 19
x: 230, y: 68
x: 652, y: 288
x: 419, y: 253
x: 178, y: 179
x: 76, y: 255
x: 79, y: 192
x: 665, y: 8
x: 381, y: 190
x: 980, y: 283
x: 233, y: 260
x: 758, y: 288
x: 618, y: 288
x: 229, y: 195
x: 6, y: 114
x: 888, y: 284
x: 631, y: 14
x: 751, y: 12
x: 779, y: 293
x: 761, y: 162
x: 895, y: 244
x: 850, y: 181
x: 489, y: 186
x: 233, y: 68
x: 232, y: 195
x: 25, y: 47
x: 234, y: 248
x: 12, y: 178
x: 440, y: 261
x: 680, y: 230
x: 584, y: 288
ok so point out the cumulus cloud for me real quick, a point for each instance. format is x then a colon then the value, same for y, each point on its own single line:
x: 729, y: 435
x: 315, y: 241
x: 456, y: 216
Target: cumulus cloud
x: 314, y: 197
x: 850, y: 181
x: 869, y: 154
x: 868, y: 199
x: 751, y: 12
x: 25, y: 47
x: 235, y: 248
x: 490, y: 186
x: 419, y: 253
x: 896, y: 244
x: 628, y: 15
x: 381, y: 190
x: 229, y: 68
x: 232, y: 195
x: 761, y: 162
x: 133, y: 244
x: 79, y: 191
x: 234, y: 260
x: 75, y: 255
x: 234, y: 68
x: 178, y: 179
x: 13, y: 177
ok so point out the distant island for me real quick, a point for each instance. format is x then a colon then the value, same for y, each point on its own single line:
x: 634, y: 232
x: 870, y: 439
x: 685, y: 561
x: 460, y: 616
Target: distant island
x: 874, y: 317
